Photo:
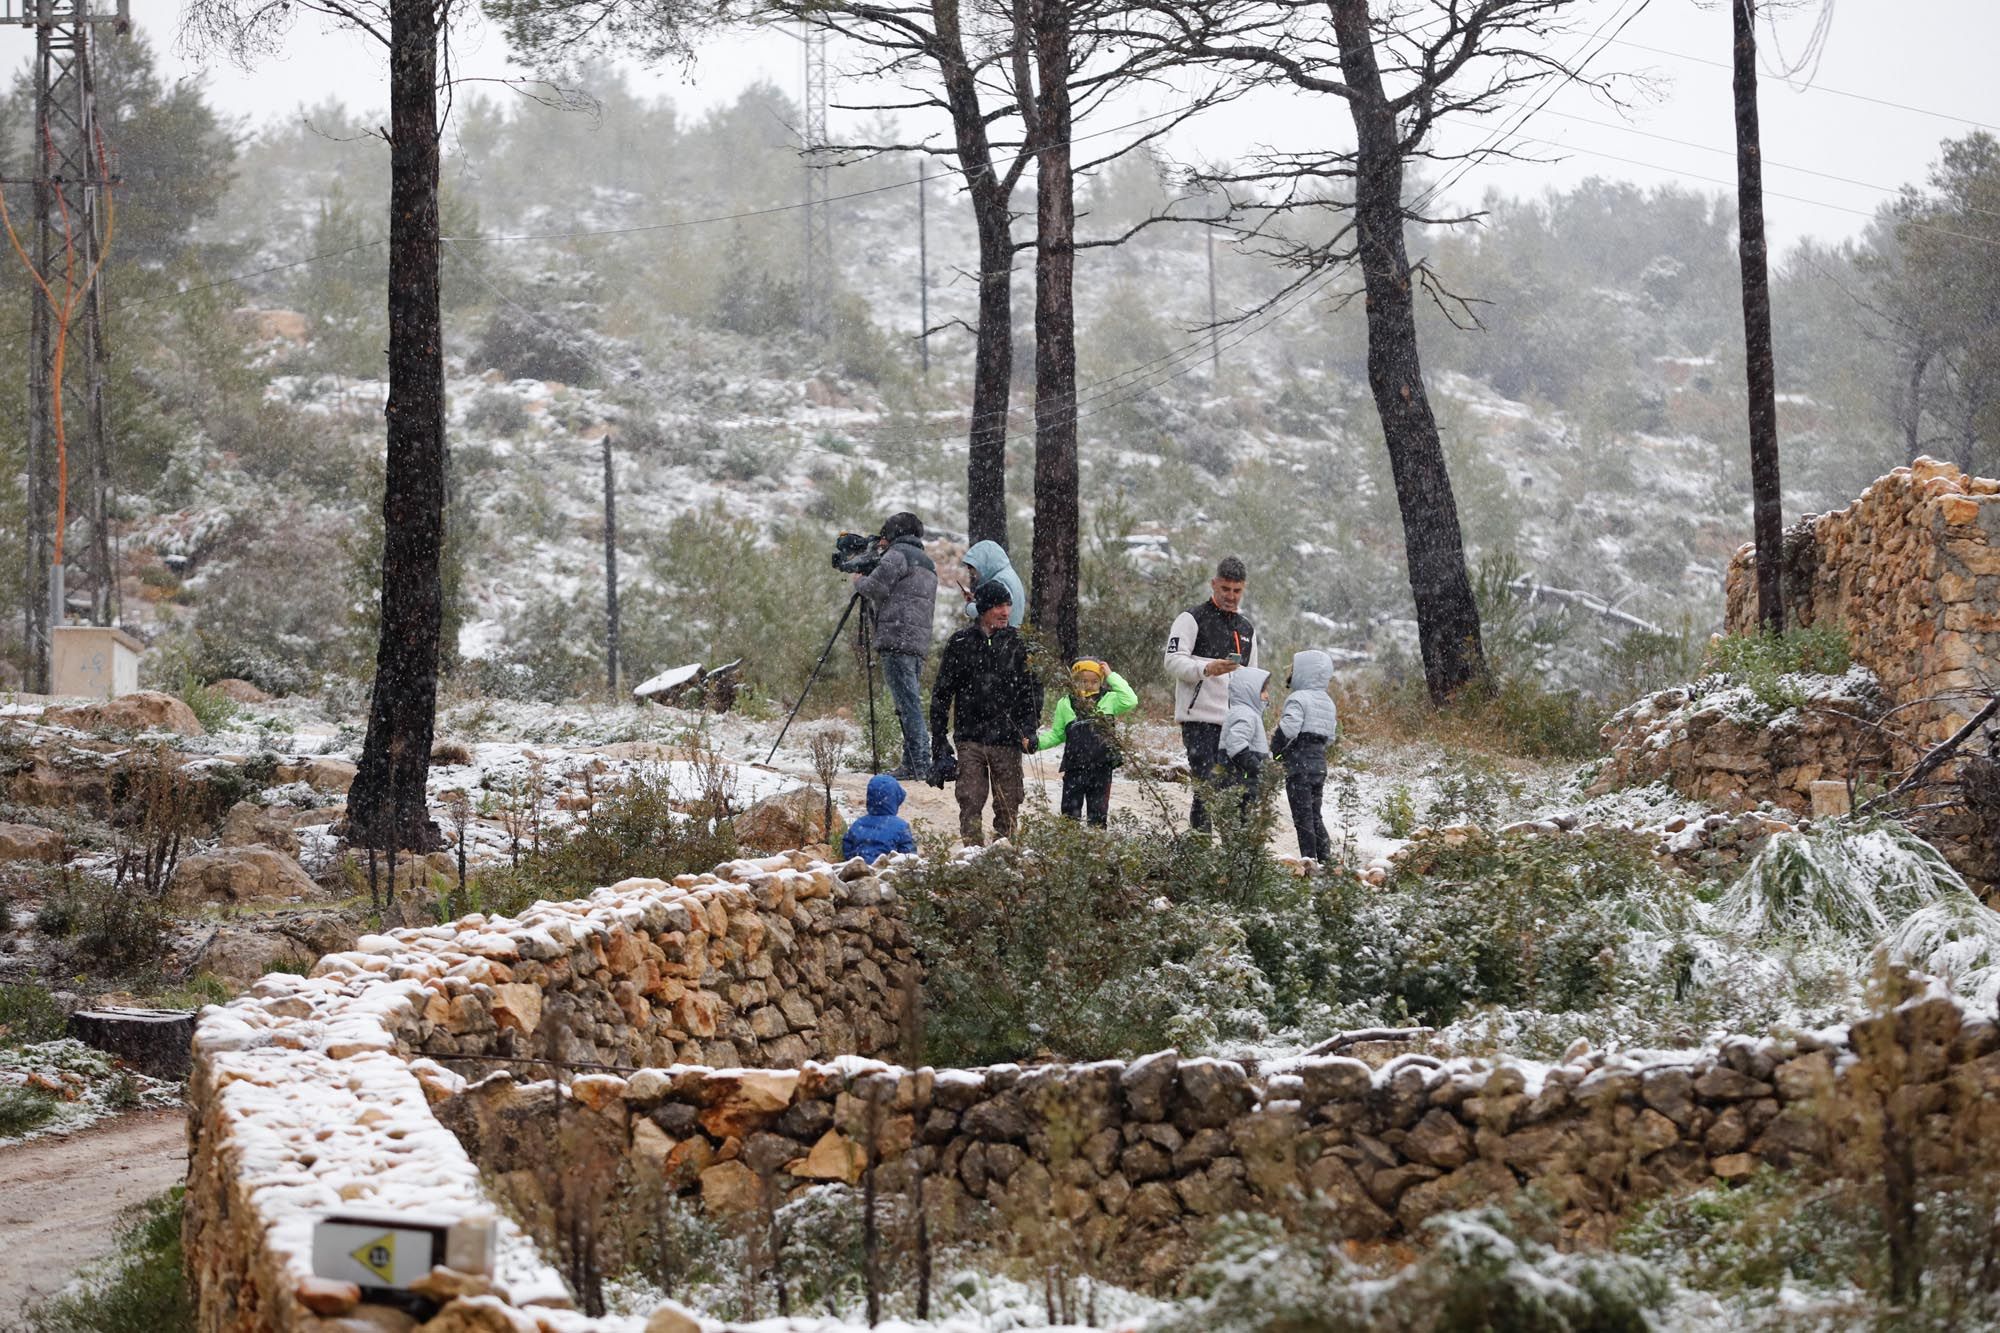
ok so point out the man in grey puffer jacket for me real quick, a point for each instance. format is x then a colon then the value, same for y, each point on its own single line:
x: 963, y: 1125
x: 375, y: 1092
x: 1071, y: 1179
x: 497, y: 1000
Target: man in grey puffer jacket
x: 902, y: 593
x: 1306, y: 727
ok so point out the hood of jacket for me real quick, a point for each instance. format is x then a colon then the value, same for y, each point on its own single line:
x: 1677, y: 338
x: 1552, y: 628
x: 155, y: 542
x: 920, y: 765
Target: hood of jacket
x: 1312, y: 670
x: 1246, y: 685
x: 885, y: 795
x: 988, y: 559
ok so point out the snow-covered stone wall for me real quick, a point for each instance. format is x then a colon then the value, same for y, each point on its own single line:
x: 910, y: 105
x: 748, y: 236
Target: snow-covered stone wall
x: 1911, y: 571
x: 311, y: 1095
x: 335, y: 1093
x: 1136, y: 1158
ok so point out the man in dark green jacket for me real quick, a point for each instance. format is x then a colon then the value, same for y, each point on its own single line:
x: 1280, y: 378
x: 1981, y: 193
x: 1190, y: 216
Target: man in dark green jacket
x: 986, y: 701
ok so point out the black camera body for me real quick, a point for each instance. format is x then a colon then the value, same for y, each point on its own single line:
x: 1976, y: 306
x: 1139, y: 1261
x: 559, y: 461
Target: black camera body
x: 855, y: 553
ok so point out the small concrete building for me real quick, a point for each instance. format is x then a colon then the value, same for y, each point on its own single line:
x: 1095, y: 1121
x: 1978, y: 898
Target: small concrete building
x: 98, y: 661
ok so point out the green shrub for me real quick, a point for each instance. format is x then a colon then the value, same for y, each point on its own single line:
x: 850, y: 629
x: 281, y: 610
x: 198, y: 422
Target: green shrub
x: 28, y: 1014
x: 1073, y: 942
x: 1512, y: 922
x: 1767, y: 664
x: 23, y: 1109
x: 1399, y: 811
x: 141, y: 1288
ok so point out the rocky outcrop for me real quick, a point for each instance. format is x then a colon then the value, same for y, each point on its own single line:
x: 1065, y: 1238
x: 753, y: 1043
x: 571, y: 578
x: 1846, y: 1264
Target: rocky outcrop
x: 248, y: 824
x: 26, y: 842
x: 794, y: 818
x: 1723, y: 745
x: 147, y: 710
x: 242, y: 875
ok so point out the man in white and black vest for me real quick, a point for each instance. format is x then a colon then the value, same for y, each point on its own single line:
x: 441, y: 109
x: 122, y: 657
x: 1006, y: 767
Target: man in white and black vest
x: 1207, y: 642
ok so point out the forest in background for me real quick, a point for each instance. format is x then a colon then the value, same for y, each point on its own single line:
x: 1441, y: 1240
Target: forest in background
x: 648, y: 263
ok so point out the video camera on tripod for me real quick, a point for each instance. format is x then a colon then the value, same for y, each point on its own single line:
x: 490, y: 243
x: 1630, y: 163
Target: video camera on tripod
x: 857, y: 552
x: 853, y: 553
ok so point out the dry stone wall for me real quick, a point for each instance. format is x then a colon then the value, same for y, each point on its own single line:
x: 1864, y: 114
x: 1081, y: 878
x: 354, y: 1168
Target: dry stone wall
x: 387, y: 1082
x: 312, y: 1095
x: 1135, y: 1159
x: 1911, y: 571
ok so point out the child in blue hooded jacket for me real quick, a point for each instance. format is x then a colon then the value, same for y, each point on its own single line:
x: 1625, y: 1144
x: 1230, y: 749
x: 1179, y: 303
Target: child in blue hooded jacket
x: 881, y: 830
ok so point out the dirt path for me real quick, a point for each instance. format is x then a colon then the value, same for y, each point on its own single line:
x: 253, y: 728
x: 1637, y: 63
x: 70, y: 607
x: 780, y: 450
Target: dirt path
x: 60, y: 1197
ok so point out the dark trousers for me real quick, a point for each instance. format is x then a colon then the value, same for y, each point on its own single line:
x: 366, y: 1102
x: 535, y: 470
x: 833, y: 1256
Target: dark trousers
x: 985, y: 770
x: 1240, y: 778
x: 904, y: 672
x: 1202, y: 740
x: 1304, y: 792
x: 1090, y: 792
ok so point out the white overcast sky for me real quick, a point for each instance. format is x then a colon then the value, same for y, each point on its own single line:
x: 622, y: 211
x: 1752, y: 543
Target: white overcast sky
x: 1830, y: 156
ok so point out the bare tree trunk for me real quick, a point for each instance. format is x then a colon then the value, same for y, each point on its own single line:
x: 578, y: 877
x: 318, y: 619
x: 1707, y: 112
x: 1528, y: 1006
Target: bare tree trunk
x: 1447, y: 615
x: 1766, y: 505
x: 1053, y: 597
x: 1913, y: 407
x: 993, y: 352
x: 387, y: 806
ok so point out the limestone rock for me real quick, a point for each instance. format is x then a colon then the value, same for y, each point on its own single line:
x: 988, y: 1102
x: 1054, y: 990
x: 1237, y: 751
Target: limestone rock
x: 27, y: 842
x: 795, y: 818
x: 834, y: 1157
x: 249, y: 824
x: 730, y: 1187
x: 239, y: 691
x: 671, y: 1319
x: 147, y: 710
x: 242, y: 874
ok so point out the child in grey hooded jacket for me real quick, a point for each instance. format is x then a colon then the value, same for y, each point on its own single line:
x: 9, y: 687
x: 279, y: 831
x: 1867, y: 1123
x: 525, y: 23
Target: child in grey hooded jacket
x: 1306, y: 726
x: 1244, y: 748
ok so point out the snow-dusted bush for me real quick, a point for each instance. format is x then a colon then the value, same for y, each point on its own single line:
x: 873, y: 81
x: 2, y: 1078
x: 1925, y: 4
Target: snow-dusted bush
x: 1479, y: 1273
x: 1850, y: 881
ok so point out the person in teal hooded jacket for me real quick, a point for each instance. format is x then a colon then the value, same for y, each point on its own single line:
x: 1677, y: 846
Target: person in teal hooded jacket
x: 986, y: 560
x: 881, y: 830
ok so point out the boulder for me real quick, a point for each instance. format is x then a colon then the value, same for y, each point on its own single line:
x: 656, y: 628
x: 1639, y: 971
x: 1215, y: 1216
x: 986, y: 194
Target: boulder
x: 319, y: 772
x: 242, y: 874
x: 241, y: 952
x: 27, y: 842
x: 239, y: 691
x: 791, y: 819
x: 147, y: 710
x: 248, y: 824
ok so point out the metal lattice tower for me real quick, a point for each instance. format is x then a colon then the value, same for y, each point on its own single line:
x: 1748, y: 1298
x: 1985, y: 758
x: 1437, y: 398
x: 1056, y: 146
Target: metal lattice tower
x: 818, y: 293
x: 69, y: 178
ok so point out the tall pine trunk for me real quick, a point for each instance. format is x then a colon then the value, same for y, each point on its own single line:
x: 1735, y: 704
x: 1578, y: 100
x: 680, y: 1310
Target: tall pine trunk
x: 1767, y: 517
x: 1447, y: 615
x: 993, y: 337
x: 387, y: 806
x: 1053, y: 597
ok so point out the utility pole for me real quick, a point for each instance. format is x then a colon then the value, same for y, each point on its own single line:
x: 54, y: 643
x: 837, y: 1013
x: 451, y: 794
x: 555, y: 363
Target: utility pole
x: 1767, y: 519
x: 923, y: 276
x: 610, y: 573
x: 66, y: 358
x: 818, y: 292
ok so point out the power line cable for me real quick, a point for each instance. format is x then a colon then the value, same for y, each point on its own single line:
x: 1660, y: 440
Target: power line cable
x: 1817, y: 87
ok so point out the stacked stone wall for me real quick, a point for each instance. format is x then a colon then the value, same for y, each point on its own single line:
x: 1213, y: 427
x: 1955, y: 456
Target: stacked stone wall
x: 1136, y: 1159
x: 312, y: 1095
x: 335, y: 1093
x: 1911, y: 571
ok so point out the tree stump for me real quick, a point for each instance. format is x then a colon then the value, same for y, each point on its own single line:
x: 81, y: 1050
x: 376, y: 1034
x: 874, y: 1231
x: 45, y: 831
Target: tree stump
x: 152, y: 1041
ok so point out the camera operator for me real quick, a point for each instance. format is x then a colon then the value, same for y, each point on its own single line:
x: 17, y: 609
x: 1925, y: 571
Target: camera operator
x: 902, y: 592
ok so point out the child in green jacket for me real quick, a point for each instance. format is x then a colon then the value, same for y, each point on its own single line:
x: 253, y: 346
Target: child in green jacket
x: 1082, y: 728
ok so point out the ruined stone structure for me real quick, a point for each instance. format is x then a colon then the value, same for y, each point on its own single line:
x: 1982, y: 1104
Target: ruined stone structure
x: 350, y: 1089
x: 1911, y: 571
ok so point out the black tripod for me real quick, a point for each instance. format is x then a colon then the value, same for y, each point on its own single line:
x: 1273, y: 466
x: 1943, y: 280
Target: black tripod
x: 868, y: 659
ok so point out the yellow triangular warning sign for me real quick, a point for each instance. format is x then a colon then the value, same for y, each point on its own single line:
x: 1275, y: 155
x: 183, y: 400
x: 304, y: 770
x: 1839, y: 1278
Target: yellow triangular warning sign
x: 378, y: 1256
